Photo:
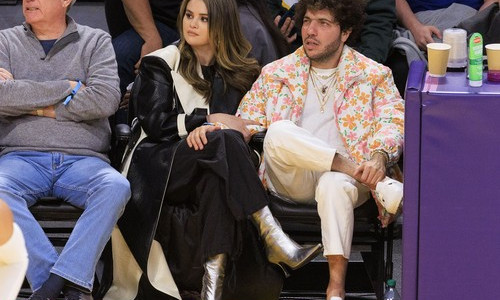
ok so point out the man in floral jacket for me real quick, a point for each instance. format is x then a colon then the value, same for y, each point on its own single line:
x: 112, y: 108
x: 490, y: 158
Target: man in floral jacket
x: 334, y: 121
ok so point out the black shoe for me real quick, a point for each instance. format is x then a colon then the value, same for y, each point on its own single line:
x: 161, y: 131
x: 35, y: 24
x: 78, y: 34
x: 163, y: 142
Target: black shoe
x: 35, y: 296
x: 71, y: 293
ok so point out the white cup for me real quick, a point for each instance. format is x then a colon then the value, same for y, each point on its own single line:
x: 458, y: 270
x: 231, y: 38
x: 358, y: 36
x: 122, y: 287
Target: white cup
x: 457, y: 39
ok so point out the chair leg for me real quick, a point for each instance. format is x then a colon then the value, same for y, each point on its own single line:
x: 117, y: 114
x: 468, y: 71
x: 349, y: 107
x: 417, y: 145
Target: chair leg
x: 389, y: 267
x: 379, y: 290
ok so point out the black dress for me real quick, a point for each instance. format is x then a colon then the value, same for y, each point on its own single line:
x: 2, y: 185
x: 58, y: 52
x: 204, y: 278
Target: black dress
x: 205, y: 197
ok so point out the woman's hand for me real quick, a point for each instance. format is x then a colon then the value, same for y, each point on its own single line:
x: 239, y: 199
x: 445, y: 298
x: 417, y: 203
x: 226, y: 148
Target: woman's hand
x: 197, y: 138
x: 234, y: 122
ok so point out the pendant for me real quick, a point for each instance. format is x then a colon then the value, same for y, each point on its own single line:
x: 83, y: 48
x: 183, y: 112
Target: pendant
x: 323, y: 89
x: 322, y: 110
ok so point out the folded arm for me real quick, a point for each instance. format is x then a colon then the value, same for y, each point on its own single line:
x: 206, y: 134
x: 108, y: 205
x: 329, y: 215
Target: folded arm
x: 98, y: 98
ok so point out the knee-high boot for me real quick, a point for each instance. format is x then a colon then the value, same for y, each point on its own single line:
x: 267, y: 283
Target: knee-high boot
x: 280, y: 248
x: 213, y: 279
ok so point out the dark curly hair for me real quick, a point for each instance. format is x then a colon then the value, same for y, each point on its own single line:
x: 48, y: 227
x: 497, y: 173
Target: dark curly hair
x: 349, y: 14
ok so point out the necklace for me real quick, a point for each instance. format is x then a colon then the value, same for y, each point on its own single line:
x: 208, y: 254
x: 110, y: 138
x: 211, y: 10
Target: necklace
x: 323, y: 92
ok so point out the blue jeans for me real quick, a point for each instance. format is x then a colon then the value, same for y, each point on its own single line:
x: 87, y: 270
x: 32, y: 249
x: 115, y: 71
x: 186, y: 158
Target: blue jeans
x: 128, y: 51
x: 83, y: 181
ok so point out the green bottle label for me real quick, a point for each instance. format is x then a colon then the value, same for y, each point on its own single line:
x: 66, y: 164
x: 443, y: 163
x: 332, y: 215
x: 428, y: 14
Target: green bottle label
x: 476, y: 57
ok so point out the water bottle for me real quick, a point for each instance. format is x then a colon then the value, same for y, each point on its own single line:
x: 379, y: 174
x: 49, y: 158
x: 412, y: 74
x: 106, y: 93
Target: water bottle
x: 391, y: 293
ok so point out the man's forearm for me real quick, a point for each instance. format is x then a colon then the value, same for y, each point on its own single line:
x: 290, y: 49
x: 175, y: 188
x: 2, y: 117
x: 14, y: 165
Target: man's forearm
x: 19, y: 97
x: 487, y: 3
x: 343, y: 164
x: 405, y: 15
x: 141, y: 18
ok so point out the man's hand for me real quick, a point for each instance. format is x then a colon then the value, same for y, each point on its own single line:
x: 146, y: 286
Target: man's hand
x: 151, y: 44
x: 125, y: 100
x: 372, y: 171
x: 286, y: 28
x: 48, y: 112
x: 5, y: 75
x: 234, y: 122
x: 423, y: 34
x: 197, y: 138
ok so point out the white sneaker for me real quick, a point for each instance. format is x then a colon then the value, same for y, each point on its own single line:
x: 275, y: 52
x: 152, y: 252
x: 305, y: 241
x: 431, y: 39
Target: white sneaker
x: 390, y: 194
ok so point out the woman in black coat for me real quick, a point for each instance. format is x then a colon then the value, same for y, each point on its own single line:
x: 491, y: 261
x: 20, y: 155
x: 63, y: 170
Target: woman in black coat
x: 193, y: 181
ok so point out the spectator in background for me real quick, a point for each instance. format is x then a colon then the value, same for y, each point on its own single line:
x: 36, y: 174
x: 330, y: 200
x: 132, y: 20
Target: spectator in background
x: 268, y: 44
x: 137, y: 28
x: 13, y: 255
x: 426, y: 19
x: 58, y: 86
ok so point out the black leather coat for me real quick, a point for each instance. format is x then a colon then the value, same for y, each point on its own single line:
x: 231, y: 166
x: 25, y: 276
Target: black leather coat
x: 156, y: 103
x: 155, y: 99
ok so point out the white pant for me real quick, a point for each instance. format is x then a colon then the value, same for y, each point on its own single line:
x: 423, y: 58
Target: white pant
x: 298, y: 167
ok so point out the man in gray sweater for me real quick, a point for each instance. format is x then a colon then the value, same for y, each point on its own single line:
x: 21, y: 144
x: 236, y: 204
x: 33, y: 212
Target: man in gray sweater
x: 58, y: 86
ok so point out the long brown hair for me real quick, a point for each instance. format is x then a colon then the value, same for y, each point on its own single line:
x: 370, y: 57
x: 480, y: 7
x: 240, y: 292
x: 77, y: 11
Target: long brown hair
x: 230, y: 47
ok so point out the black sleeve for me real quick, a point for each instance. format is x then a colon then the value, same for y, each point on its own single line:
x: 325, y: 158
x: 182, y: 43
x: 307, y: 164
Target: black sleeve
x: 376, y: 34
x: 153, y: 98
x: 275, y: 8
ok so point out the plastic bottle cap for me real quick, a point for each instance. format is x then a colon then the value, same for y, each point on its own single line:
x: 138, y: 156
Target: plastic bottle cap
x: 391, y: 283
x: 475, y: 83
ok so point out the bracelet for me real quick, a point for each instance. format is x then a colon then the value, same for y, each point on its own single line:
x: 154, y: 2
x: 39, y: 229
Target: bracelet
x: 73, y: 93
x: 39, y: 112
x: 380, y: 151
x: 219, y: 124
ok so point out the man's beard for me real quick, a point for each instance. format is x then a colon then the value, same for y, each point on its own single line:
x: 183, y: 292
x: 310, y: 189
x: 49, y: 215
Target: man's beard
x: 329, y: 52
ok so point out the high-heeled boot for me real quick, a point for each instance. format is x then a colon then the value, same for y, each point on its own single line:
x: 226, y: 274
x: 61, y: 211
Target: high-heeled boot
x: 280, y: 248
x: 213, y: 279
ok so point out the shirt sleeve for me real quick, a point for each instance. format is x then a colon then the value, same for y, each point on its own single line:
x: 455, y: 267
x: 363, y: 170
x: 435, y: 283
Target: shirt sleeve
x: 101, y: 96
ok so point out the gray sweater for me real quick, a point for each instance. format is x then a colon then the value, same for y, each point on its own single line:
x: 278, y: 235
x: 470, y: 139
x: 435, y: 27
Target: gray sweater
x: 40, y: 80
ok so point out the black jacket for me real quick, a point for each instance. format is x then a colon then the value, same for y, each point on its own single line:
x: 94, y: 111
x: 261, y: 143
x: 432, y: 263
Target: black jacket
x: 155, y: 98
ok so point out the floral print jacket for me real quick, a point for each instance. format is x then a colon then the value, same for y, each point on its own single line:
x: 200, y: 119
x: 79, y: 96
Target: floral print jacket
x: 369, y: 109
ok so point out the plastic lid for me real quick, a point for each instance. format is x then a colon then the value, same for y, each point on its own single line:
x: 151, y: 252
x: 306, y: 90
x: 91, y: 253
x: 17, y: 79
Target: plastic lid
x: 391, y: 283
